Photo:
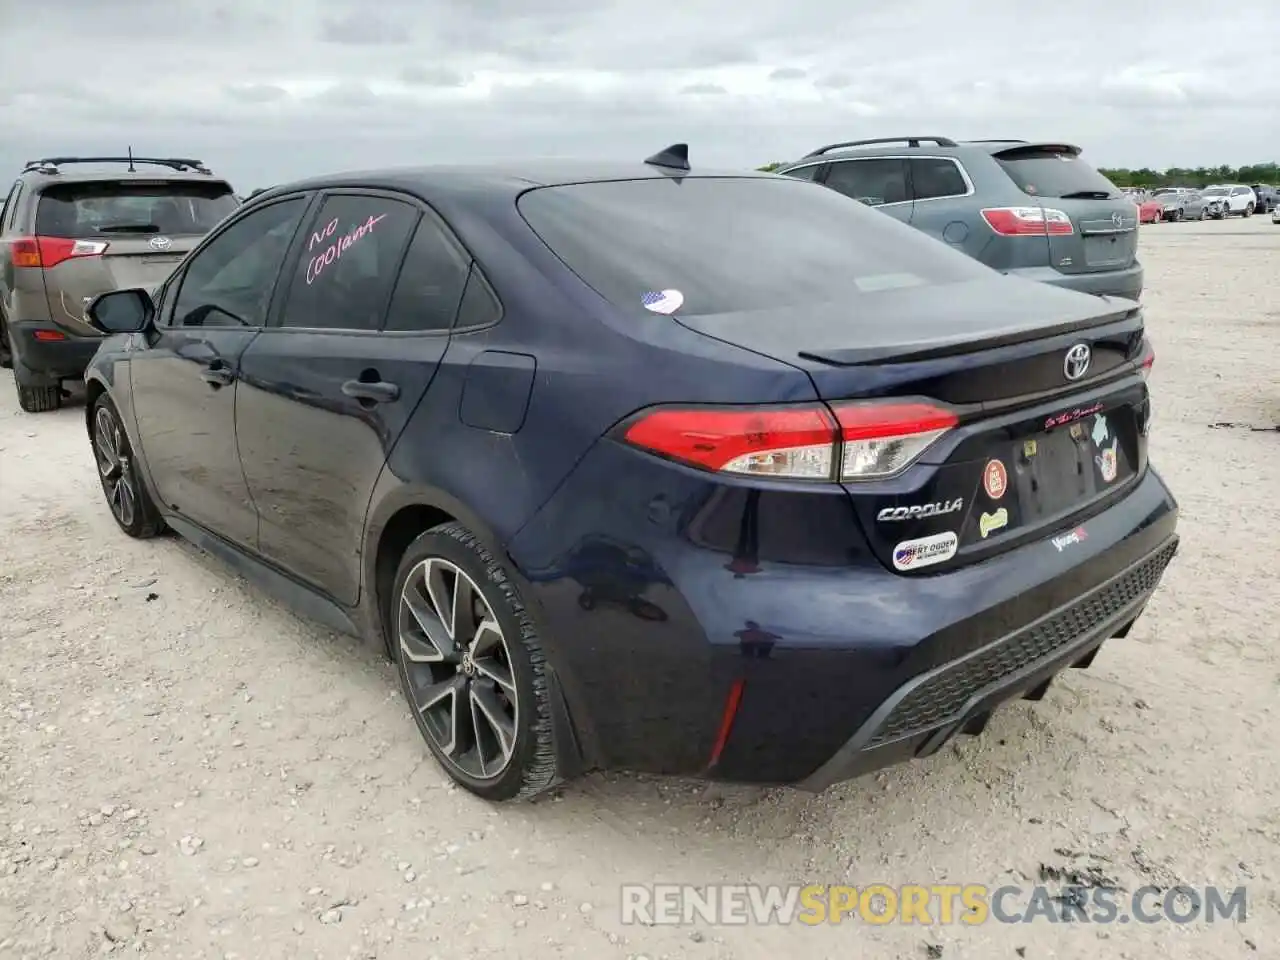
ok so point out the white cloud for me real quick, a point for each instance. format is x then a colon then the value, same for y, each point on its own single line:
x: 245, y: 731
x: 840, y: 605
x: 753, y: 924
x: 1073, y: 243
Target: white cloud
x: 266, y: 93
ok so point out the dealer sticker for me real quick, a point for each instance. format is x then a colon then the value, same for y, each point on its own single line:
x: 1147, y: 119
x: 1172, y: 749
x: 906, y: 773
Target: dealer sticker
x: 925, y: 552
x: 989, y: 523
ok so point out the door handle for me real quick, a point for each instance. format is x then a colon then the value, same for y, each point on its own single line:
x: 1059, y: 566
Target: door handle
x: 217, y: 374
x: 376, y: 391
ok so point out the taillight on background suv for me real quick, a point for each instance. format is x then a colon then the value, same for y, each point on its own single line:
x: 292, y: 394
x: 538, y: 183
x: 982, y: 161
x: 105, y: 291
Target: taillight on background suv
x: 1028, y: 221
x: 50, y: 251
x: 842, y: 442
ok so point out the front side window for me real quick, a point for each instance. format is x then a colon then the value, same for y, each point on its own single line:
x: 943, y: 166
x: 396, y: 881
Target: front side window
x: 348, y: 263
x: 230, y: 281
x: 874, y: 181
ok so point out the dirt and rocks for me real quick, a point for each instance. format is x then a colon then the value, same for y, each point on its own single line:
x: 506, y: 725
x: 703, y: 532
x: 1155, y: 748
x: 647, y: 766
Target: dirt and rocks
x: 187, y: 770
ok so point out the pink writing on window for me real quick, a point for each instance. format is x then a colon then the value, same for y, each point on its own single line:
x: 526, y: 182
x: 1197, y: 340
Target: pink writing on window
x: 337, y: 247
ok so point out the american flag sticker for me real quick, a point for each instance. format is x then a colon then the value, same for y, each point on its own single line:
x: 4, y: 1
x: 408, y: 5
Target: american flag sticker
x: 662, y: 301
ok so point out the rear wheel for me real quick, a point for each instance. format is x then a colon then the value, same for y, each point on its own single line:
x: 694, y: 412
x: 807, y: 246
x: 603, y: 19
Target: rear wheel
x: 134, y: 510
x: 39, y: 399
x: 6, y: 357
x: 471, y: 666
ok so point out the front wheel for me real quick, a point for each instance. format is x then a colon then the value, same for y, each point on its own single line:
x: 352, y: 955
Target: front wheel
x: 471, y: 666
x: 1177, y: 215
x: 130, y: 503
x: 1248, y: 210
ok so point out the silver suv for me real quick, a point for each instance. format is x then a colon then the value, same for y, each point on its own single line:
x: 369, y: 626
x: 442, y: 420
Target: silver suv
x: 67, y: 235
x: 1034, y: 210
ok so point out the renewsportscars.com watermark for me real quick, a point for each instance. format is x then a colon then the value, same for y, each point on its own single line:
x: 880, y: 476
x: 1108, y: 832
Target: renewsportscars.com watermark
x: 970, y: 904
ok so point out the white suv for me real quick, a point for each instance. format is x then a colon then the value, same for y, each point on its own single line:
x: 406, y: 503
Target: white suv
x: 1239, y: 198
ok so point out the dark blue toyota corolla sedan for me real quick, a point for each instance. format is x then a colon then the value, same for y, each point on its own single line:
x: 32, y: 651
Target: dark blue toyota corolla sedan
x: 638, y: 466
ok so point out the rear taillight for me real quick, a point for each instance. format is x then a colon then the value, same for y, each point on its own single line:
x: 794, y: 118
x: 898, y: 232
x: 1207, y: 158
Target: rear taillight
x: 882, y: 439
x: 1148, y: 358
x: 1027, y: 221
x: 848, y: 441
x: 50, y: 251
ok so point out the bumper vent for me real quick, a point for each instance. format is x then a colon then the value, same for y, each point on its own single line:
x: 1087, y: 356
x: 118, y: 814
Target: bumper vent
x: 943, y: 696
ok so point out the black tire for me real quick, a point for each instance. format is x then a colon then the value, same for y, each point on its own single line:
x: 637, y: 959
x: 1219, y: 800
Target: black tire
x: 119, y: 477
x: 39, y: 399
x: 6, y: 355
x: 1177, y: 215
x: 1248, y: 210
x: 530, y: 767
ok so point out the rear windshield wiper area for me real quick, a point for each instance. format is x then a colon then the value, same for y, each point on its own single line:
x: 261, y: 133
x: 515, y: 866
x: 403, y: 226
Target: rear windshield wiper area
x: 1089, y: 195
x: 129, y: 228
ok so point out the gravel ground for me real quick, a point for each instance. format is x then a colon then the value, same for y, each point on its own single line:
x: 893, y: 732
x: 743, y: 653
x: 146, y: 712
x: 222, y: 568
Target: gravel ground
x: 188, y: 770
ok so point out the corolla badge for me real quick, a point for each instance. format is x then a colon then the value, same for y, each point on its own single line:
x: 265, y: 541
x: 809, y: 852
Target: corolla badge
x: 159, y: 243
x: 920, y: 510
x: 1076, y: 363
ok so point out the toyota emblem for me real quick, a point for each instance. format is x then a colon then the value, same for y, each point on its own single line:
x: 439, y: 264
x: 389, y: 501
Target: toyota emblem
x: 1117, y: 219
x: 1076, y: 364
x: 160, y: 243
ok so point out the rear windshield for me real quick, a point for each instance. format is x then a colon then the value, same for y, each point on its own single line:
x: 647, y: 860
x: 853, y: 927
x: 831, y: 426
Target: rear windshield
x: 707, y: 245
x: 107, y: 207
x: 1045, y: 172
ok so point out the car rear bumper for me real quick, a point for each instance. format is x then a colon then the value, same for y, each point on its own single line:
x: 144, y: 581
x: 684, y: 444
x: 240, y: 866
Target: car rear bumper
x: 678, y: 625
x: 928, y: 711
x: 1125, y: 283
x: 50, y: 359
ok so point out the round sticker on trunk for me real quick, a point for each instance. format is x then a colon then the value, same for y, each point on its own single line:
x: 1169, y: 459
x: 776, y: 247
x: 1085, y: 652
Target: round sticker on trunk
x: 662, y: 301
x: 995, y: 480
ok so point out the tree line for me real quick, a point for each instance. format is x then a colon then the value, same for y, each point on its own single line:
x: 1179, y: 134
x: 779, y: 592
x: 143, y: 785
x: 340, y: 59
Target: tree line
x: 1268, y: 173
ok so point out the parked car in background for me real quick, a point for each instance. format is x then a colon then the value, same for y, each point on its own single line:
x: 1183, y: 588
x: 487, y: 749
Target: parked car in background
x: 593, y: 452
x: 1032, y: 210
x: 1267, y: 197
x: 67, y: 235
x: 1174, y: 201
x: 1233, y: 199
x: 1275, y: 215
x: 1151, y: 210
x: 1196, y: 206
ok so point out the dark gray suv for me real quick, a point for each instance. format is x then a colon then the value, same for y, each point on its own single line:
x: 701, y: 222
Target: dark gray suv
x: 68, y: 234
x: 1034, y: 210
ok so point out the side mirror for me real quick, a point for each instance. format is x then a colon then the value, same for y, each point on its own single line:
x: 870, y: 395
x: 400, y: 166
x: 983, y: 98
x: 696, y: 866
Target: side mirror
x: 122, y: 311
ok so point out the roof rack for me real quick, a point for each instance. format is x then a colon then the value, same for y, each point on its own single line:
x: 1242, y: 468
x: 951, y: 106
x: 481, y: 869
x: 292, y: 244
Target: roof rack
x: 180, y: 164
x: 909, y: 141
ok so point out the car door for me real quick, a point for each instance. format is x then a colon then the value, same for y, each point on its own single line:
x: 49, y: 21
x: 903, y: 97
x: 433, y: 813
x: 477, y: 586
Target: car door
x: 940, y: 191
x: 184, y: 381
x: 328, y: 388
x: 879, y: 182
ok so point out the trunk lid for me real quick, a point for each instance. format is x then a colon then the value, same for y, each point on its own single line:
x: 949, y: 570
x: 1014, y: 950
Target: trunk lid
x: 1035, y: 450
x: 1104, y: 222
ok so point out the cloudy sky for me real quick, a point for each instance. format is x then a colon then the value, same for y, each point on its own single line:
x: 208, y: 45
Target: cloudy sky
x: 267, y: 91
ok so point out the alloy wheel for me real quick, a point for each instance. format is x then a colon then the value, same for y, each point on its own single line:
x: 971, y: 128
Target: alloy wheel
x: 112, y: 455
x: 458, y: 668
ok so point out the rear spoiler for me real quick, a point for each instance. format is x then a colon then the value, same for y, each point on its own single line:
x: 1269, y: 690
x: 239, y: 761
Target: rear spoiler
x: 1008, y: 150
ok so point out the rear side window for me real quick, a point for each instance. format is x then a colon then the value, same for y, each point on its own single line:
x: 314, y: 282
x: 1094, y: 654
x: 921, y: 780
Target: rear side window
x: 733, y: 244
x: 349, y: 260
x: 107, y: 207
x: 1049, y: 172
x: 934, y: 177
x: 431, y: 282
x: 874, y: 181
